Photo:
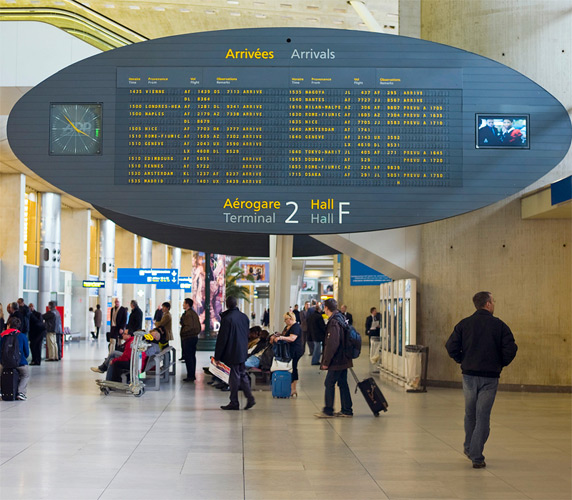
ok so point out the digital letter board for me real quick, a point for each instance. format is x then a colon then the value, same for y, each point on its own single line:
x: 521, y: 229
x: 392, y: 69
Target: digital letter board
x: 287, y: 131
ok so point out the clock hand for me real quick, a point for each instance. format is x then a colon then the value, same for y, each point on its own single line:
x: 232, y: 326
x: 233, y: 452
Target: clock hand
x: 74, y: 127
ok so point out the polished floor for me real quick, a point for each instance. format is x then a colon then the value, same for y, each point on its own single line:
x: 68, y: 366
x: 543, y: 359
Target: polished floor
x: 70, y: 442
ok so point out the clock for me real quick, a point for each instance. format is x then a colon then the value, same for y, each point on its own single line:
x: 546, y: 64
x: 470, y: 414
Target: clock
x: 75, y: 129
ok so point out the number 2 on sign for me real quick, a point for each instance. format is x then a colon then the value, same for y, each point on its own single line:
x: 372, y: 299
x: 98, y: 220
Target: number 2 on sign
x: 289, y: 220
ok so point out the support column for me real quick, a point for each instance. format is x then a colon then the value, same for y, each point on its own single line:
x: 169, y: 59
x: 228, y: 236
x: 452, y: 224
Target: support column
x: 106, y: 267
x: 50, y: 249
x: 145, y: 292
x: 75, y: 240
x: 13, y: 189
x: 280, y: 278
x: 176, y: 295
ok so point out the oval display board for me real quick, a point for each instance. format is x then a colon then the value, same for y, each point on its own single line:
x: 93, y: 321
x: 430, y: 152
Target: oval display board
x: 288, y: 131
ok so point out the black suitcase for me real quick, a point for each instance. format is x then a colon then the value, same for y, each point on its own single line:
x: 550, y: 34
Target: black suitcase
x: 372, y: 394
x: 9, y: 382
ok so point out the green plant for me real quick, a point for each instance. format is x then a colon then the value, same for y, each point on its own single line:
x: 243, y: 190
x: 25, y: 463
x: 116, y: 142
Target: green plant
x: 232, y: 274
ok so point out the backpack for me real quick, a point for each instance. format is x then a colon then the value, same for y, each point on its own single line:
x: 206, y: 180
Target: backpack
x: 11, y: 355
x: 352, y: 339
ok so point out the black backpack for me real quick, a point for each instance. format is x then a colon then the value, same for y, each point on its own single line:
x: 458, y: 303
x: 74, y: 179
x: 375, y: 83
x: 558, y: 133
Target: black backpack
x: 11, y: 351
x: 351, y: 340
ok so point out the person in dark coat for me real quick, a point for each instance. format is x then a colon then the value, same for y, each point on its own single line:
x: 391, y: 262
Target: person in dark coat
x: 483, y: 345
x: 373, y: 323
x: 232, y: 349
x: 97, y: 320
x: 346, y: 314
x: 135, y: 322
x: 336, y: 360
x: 24, y: 317
x: 316, y: 332
x: 37, y: 335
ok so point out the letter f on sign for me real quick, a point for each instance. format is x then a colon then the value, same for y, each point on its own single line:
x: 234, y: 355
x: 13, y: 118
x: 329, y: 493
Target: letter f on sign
x: 343, y: 212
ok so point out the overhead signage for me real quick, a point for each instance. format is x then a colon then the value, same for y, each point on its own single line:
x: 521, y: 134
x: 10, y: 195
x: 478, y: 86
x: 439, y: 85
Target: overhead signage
x: 93, y: 284
x: 287, y: 131
x: 144, y: 276
x: 184, y: 283
x: 362, y: 275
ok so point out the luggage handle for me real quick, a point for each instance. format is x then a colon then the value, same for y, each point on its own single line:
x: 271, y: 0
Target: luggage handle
x: 355, y: 378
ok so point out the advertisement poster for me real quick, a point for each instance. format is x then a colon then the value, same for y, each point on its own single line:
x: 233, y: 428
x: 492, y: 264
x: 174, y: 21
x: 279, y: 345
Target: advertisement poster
x: 310, y: 286
x: 198, y: 286
x: 260, y: 271
x: 217, y: 286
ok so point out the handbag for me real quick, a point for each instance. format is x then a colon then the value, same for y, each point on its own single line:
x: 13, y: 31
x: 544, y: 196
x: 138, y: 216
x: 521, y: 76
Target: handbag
x: 282, y: 351
x: 278, y: 366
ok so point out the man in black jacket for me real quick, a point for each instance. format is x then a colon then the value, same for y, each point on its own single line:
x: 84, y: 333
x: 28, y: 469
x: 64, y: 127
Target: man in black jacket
x: 37, y: 335
x: 483, y: 345
x: 232, y: 349
x: 135, y: 322
x: 316, y: 332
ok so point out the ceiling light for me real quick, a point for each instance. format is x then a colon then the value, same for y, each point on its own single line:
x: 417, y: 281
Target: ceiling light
x: 134, y: 7
x: 61, y: 3
x: 338, y: 22
x: 286, y: 5
x: 235, y: 14
x: 109, y: 6
x: 159, y: 9
x: 260, y: 16
x: 312, y: 19
x: 184, y: 10
x: 312, y: 7
x: 258, y: 4
x: 232, y: 2
x: 393, y: 15
x: 210, y: 12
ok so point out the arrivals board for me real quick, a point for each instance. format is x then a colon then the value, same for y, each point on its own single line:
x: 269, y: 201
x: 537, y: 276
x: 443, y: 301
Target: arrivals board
x: 222, y: 138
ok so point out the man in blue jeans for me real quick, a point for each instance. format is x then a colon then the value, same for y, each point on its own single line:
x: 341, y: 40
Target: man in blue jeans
x: 483, y: 345
x: 336, y: 360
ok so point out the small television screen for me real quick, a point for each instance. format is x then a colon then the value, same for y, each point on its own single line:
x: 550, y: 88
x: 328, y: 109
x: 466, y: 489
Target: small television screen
x: 502, y: 131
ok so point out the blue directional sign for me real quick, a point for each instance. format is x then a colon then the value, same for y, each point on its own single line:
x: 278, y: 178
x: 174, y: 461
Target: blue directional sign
x: 184, y: 283
x: 360, y: 275
x: 164, y: 278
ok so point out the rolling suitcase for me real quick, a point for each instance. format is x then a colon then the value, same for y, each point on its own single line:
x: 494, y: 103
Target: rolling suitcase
x: 281, y: 384
x: 372, y: 394
x: 9, y: 382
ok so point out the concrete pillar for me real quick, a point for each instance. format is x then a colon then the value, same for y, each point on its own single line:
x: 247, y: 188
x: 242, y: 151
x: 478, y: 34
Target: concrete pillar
x: 13, y: 190
x: 159, y: 261
x: 106, y: 266
x: 75, y: 240
x: 145, y: 292
x: 280, y: 278
x: 50, y: 249
x: 176, y: 295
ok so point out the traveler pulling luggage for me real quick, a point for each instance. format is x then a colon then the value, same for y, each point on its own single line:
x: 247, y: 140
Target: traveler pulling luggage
x: 281, y: 384
x: 372, y: 394
x: 281, y: 371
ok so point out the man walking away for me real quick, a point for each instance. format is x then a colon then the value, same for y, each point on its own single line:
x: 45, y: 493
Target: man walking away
x: 232, y: 349
x: 336, y: 359
x: 316, y: 332
x: 37, y: 335
x: 54, y: 328
x: 190, y: 329
x: 135, y: 322
x: 483, y: 345
x: 118, y: 320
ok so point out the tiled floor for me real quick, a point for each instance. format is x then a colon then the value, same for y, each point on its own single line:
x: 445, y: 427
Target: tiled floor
x: 70, y: 442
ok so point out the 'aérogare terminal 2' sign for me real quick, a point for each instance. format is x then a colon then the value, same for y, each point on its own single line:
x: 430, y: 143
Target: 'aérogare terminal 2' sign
x: 288, y: 131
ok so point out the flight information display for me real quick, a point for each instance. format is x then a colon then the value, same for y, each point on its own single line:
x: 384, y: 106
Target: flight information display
x: 287, y: 127
x: 215, y: 140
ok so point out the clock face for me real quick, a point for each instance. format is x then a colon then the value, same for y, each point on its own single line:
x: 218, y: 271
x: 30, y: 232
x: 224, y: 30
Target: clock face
x: 75, y: 129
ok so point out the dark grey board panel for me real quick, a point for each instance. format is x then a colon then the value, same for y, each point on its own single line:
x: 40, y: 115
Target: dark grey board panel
x: 288, y: 131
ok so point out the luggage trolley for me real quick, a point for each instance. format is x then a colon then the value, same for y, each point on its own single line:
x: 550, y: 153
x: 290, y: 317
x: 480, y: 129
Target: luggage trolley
x: 135, y: 385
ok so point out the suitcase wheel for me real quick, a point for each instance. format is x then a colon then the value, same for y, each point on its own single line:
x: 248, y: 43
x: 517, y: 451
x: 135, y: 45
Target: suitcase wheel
x: 376, y: 414
x: 105, y: 390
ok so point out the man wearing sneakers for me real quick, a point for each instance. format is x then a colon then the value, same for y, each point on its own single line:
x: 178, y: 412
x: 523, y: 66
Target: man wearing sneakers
x: 483, y: 345
x: 336, y: 359
x: 23, y: 369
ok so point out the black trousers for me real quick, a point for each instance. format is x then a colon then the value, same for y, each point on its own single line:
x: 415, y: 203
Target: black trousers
x: 189, y: 354
x: 238, y: 380
x: 36, y: 342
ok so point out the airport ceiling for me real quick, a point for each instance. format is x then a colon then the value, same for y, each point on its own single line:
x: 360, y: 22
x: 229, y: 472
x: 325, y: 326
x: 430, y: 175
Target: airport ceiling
x: 137, y: 20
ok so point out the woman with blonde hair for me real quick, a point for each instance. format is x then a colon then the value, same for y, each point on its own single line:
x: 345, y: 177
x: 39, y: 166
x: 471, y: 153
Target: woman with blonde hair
x: 292, y: 333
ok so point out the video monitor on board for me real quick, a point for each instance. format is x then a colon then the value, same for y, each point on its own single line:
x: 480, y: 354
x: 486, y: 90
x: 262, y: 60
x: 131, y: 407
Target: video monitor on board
x: 502, y: 131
